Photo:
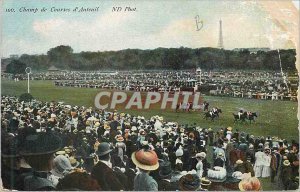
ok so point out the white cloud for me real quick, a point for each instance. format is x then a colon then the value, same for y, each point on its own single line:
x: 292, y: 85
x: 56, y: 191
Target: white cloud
x: 121, y: 30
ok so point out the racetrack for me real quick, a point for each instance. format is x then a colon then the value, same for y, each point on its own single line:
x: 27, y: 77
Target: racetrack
x: 275, y: 118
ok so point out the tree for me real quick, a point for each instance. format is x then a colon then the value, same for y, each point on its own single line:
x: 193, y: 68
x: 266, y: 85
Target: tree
x: 16, y: 67
x: 60, y: 56
x: 26, y: 97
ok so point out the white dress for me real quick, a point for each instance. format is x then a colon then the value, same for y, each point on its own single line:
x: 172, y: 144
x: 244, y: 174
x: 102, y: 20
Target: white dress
x: 259, y: 163
x: 121, y: 148
x: 199, y: 168
x: 266, y: 172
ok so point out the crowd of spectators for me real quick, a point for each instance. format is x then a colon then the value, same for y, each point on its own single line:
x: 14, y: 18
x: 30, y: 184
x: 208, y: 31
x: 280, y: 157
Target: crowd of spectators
x: 55, y: 146
x: 259, y: 85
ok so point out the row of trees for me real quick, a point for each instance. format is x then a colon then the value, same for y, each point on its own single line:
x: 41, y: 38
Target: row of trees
x: 63, y: 57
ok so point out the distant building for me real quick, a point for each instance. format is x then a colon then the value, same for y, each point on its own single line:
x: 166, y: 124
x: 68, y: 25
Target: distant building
x: 253, y: 50
x: 14, y: 56
x: 53, y: 69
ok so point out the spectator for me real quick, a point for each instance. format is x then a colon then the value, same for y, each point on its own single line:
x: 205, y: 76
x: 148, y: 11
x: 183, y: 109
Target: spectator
x: 189, y: 182
x: 78, y: 181
x: 146, y: 161
x: 38, y: 150
x: 103, y: 171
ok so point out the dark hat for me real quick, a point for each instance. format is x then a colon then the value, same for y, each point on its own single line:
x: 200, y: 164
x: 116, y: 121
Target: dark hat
x: 189, y: 182
x: 41, y: 143
x: 165, y: 169
x: 9, y: 146
x: 103, y: 149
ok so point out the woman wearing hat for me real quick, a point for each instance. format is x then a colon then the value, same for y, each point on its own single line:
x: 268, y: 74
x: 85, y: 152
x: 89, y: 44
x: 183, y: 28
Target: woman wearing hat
x: 38, y: 150
x: 61, y: 166
x: 178, y: 173
x: 120, y: 145
x: 250, y: 184
x: 199, y: 165
x: 189, y: 182
x: 146, y: 161
x: 259, y: 163
x: 266, y: 172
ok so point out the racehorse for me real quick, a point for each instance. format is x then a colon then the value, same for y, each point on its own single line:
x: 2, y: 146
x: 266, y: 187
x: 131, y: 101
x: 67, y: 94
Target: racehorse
x: 212, y: 115
x: 245, y: 116
x: 251, y: 116
x: 242, y: 117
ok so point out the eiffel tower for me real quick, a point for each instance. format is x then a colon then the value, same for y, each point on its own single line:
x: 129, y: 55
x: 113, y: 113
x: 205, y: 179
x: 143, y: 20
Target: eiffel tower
x: 220, y: 43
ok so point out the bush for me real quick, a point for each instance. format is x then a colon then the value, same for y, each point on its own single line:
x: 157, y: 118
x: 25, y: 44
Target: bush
x: 26, y: 97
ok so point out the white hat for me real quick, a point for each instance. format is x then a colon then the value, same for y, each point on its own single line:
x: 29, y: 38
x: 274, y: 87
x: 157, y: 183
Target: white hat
x: 179, y: 152
x: 201, y: 155
x: 133, y: 128
x: 144, y: 143
x: 237, y: 175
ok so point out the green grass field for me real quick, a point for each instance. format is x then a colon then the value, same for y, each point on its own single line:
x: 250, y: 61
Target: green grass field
x: 276, y: 118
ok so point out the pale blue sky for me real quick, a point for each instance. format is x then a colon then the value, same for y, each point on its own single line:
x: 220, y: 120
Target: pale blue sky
x: 154, y: 24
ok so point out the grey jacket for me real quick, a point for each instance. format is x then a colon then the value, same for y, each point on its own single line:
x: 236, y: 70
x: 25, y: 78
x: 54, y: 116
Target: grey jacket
x: 144, y: 182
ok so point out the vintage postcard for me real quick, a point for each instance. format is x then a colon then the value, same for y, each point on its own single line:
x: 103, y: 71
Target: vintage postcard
x: 149, y: 95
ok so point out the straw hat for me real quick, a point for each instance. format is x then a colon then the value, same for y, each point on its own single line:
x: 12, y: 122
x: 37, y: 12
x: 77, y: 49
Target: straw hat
x: 142, y: 132
x: 220, y: 154
x: 250, y: 184
x: 189, y: 182
x: 229, y: 128
x: 106, y: 126
x: 97, y: 124
x: 119, y: 138
x: 73, y: 161
x: 201, y: 155
x: 237, y: 175
x: 145, y: 159
x: 133, y: 128
x: 205, y: 183
x: 286, y: 163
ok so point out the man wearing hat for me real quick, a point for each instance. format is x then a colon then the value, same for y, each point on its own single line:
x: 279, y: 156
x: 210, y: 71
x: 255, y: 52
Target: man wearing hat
x: 165, y: 173
x: 12, y: 164
x: 146, y: 161
x: 103, y: 171
x: 38, y: 150
x: 189, y: 182
x: 210, y: 136
x: 240, y: 166
x: 286, y: 174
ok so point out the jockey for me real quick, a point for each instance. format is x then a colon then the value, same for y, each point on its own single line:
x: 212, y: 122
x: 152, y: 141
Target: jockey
x: 206, y: 104
x: 215, y: 110
x: 249, y: 113
x: 240, y: 113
